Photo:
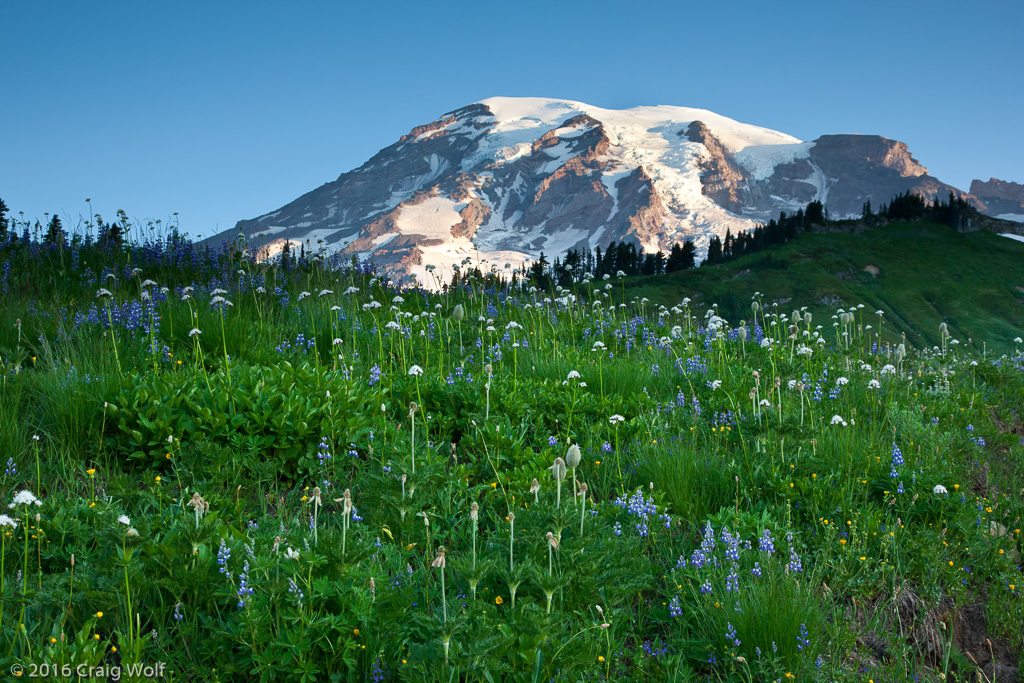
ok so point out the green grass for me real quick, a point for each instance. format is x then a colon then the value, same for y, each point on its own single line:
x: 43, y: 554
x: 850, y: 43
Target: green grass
x: 699, y: 451
x: 929, y: 274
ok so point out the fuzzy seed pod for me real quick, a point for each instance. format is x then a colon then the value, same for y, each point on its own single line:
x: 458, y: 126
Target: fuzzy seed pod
x: 459, y: 314
x: 558, y: 469
x: 573, y: 456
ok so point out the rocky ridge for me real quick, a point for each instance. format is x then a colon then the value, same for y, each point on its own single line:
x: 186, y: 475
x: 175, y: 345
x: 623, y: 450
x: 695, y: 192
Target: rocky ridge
x: 498, y: 182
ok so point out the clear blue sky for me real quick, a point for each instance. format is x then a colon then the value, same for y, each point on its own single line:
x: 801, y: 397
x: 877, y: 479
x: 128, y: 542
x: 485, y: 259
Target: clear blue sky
x: 227, y: 110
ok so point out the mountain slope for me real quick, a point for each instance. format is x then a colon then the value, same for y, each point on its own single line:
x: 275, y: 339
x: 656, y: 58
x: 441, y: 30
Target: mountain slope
x: 505, y: 179
x: 919, y: 273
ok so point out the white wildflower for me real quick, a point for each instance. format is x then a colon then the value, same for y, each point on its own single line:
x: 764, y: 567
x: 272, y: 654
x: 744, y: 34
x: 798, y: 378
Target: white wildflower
x: 24, y: 497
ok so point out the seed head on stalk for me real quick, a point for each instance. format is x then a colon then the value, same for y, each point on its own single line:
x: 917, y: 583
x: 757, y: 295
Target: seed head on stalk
x: 572, y: 460
x: 558, y: 471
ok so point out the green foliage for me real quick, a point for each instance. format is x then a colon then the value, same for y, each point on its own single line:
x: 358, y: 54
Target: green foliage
x: 260, y: 500
x: 281, y: 411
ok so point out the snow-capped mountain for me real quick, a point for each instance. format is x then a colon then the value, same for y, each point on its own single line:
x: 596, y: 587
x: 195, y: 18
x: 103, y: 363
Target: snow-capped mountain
x: 505, y: 179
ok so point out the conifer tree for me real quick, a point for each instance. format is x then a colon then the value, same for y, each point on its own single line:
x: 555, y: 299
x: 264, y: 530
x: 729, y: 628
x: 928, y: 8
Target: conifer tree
x: 4, y: 225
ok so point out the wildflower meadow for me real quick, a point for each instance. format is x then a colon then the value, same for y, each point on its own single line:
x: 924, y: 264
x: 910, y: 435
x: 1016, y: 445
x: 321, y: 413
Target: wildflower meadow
x: 294, y: 470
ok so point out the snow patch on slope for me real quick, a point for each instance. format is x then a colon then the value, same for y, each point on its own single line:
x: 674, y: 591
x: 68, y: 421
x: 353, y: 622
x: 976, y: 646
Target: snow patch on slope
x: 760, y: 160
x: 647, y: 137
x: 431, y: 218
x: 521, y: 113
x: 446, y: 257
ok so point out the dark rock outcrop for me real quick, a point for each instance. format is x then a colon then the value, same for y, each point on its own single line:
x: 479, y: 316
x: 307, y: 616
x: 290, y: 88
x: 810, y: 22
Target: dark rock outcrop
x: 998, y: 197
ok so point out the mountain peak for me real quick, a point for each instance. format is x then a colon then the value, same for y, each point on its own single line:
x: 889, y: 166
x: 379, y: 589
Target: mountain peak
x: 504, y: 179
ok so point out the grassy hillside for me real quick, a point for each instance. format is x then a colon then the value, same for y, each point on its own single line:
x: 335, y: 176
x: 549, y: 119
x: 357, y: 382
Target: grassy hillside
x: 927, y: 273
x: 255, y: 472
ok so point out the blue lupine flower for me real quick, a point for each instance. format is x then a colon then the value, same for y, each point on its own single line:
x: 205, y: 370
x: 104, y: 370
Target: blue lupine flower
x: 223, y: 555
x: 324, y: 451
x: 794, y: 565
x: 766, y: 544
x: 294, y: 589
x: 244, y: 589
x: 802, y: 640
x: 732, y: 582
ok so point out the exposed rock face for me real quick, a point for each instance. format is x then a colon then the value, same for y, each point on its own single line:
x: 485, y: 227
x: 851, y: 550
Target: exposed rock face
x: 852, y: 169
x: 999, y: 197
x: 841, y: 171
x: 503, y: 180
x: 721, y: 178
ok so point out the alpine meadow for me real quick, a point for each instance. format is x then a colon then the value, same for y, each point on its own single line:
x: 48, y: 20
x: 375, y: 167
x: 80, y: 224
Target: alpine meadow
x: 782, y: 467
